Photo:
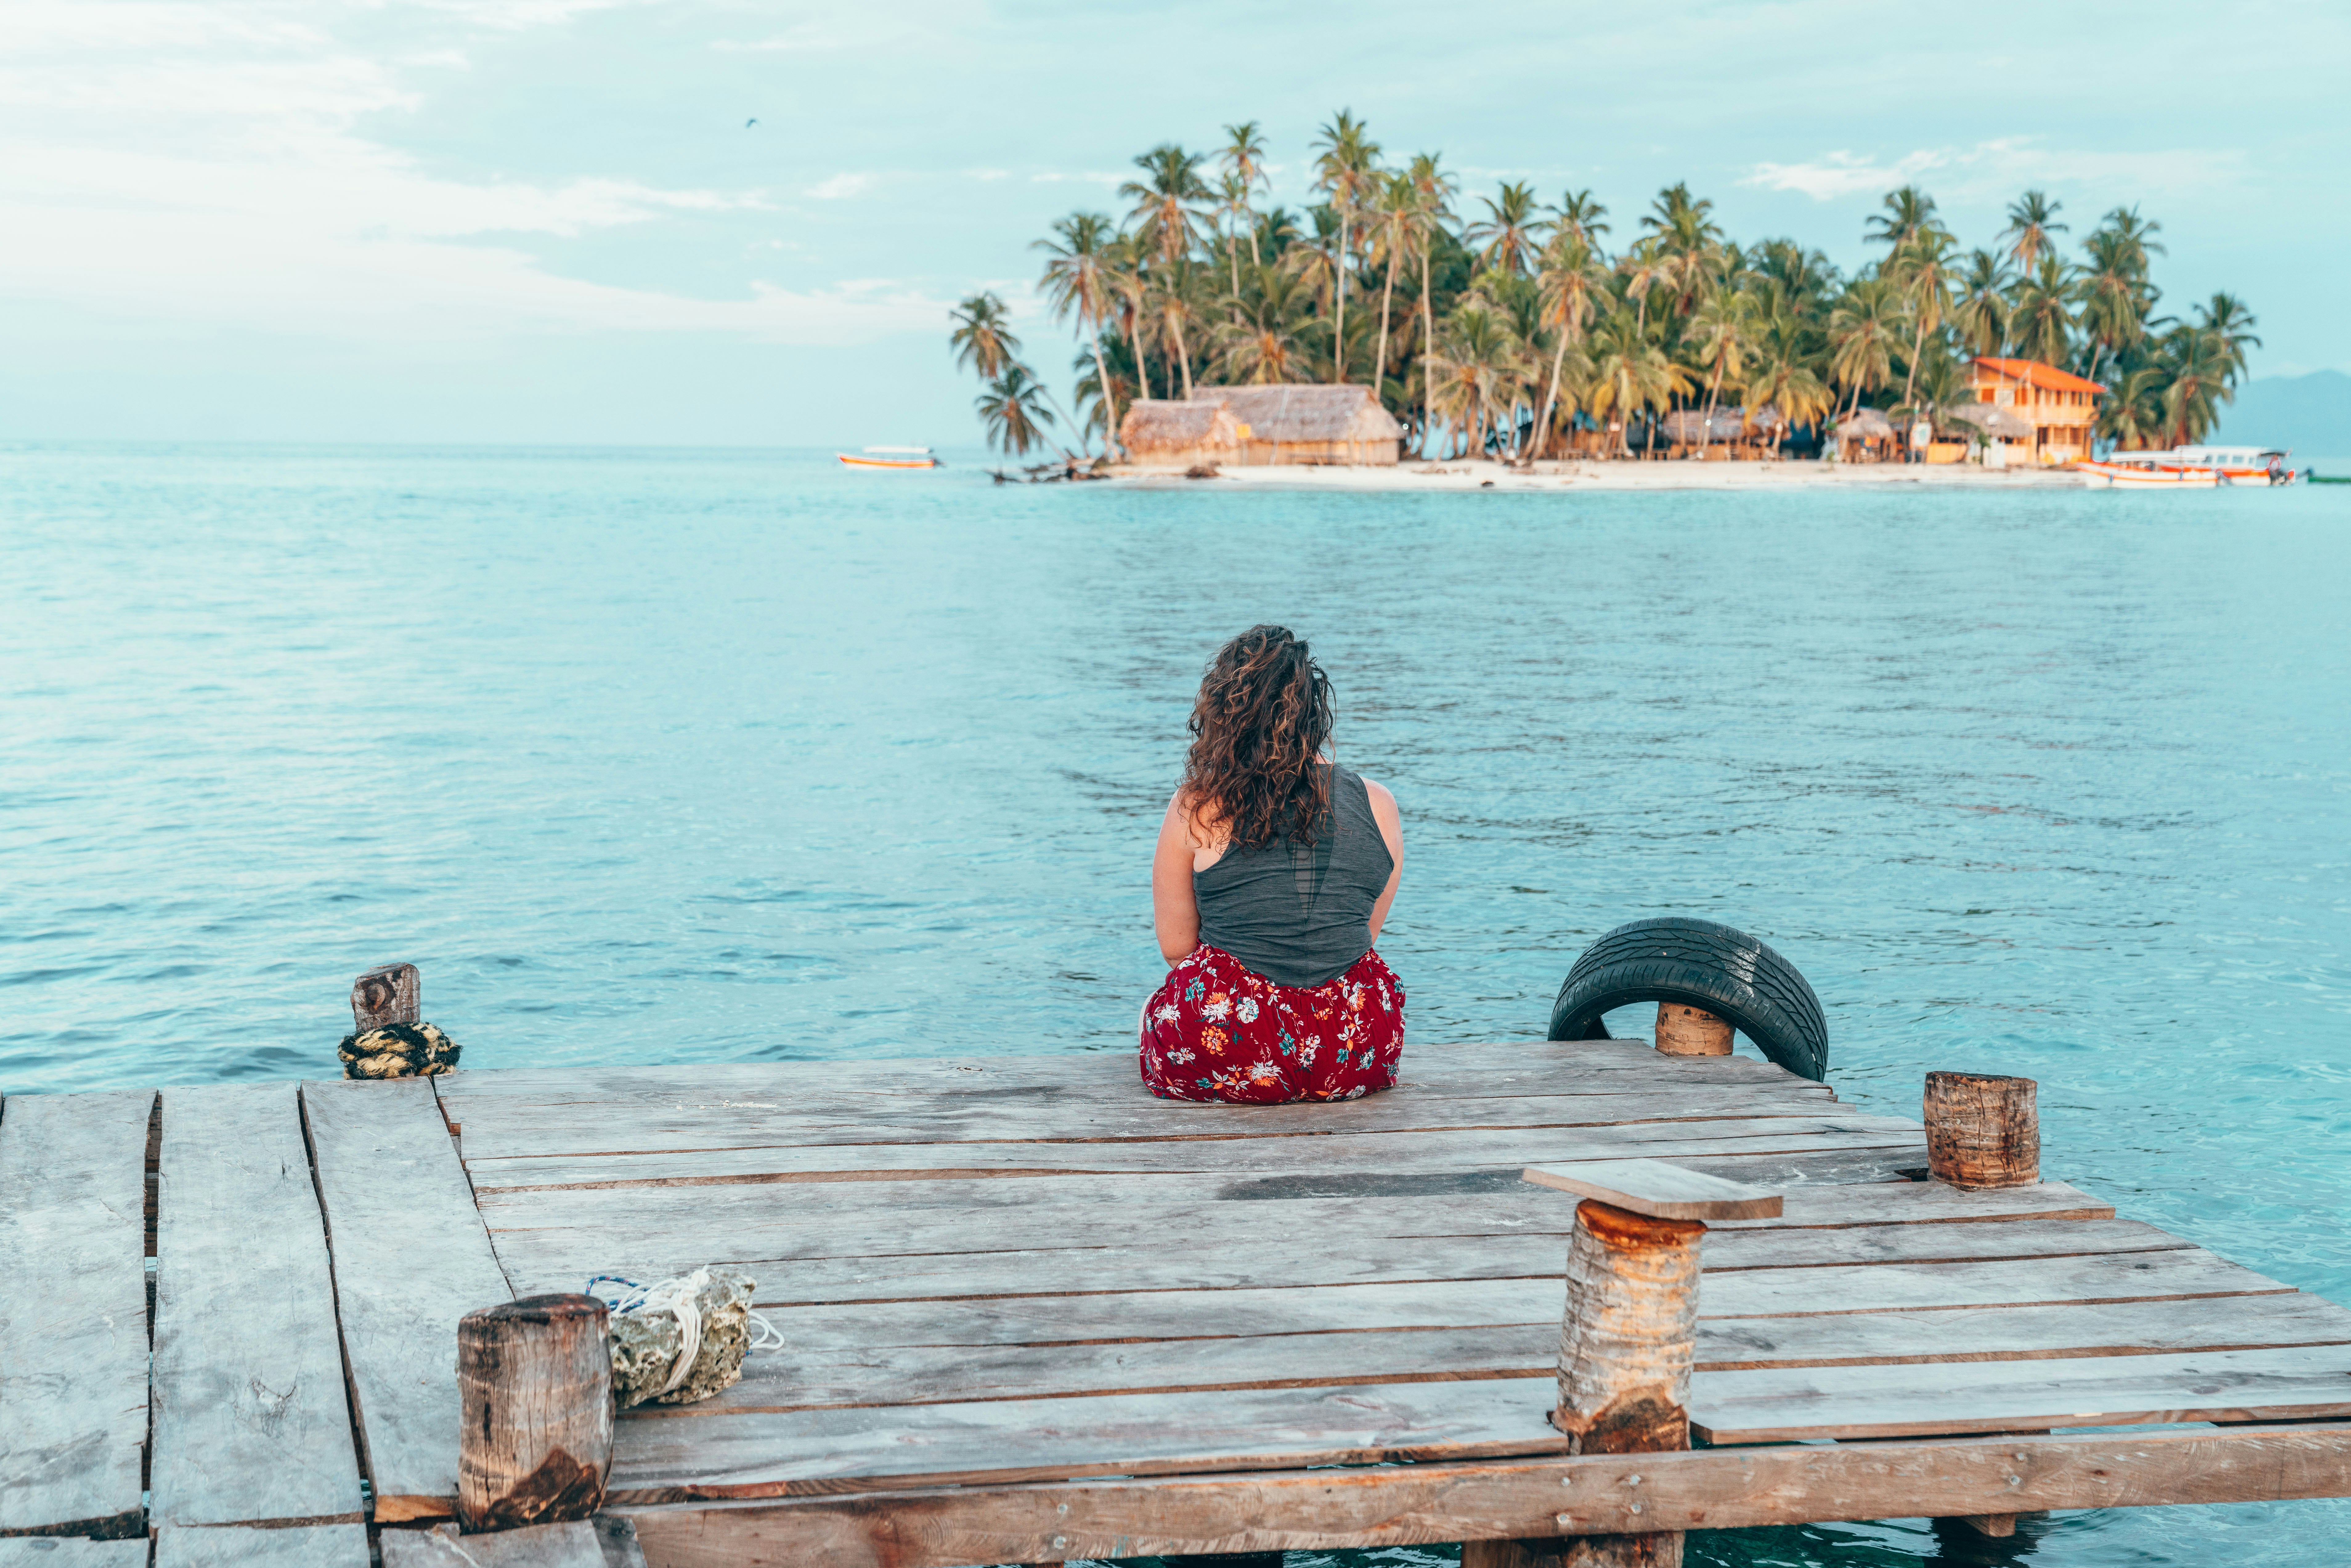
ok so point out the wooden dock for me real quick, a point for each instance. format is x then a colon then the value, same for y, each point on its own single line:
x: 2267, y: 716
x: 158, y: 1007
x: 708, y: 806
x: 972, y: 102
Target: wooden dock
x: 1033, y: 1314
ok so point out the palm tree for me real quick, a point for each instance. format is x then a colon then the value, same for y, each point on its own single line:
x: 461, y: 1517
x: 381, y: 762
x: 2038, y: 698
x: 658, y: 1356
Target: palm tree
x: 1570, y: 277
x: 2198, y: 378
x: 1629, y: 373
x: 1909, y: 212
x: 1863, y: 331
x: 1260, y: 343
x: 1783, y: 379
x: 1243, y: 158
x: 1130, y: 287
x: 1579, y: 215
x: 1510, y: 231
x: 1076, y: 282
x: 1471, y: 375
x: 1164, y: 212
x: 1923, y: 271
x: 1724, y: 330
x: 2232, y: 319
x: 1389, y: 238
x: 1980, y: 307
x: 1174, y: 304
x: 2032, y: 220
x: 982, y: 340
x: 1233, y: 215
x: 1645, y: 266
x: 2114, y: 295
x: 2042, y: 321
x: 2132, y: 416
x: 1687, y: 240
x: 1012, y: 409
x: 1345, y: 168
x: 1433, y: 191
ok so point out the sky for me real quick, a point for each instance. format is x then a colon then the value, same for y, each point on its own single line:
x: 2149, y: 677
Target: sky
x: 554, y: 221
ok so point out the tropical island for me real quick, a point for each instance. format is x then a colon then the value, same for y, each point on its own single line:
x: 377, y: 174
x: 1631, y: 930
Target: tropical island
x: 1506, y: 328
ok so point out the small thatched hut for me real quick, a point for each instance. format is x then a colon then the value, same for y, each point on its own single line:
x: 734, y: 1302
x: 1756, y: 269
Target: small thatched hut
x: 1159, y: 432
x: 1867, y: 435
x: 1729, y: 430
x: 1989, y: 422
x: 1287, y: 423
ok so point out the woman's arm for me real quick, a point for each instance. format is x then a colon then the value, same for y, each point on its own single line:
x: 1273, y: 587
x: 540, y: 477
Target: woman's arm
x: 1175, y: 911
x: 1383, y: 812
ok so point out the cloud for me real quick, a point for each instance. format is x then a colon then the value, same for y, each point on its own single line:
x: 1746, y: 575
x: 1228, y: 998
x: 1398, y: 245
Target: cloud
x: 199, y: 166
x: 840, y: 187
x: 1994, y: 170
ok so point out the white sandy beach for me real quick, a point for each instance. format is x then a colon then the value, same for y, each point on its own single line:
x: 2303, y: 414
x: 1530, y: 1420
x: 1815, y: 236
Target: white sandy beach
x: 1616, y: 475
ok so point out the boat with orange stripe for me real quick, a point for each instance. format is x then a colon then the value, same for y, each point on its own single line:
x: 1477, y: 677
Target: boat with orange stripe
x: 890, y: 457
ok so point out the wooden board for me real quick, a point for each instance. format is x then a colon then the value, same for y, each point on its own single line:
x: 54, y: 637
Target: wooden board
x: 411, y: 1258
x: 1294, y: 1155
x: 1777, y: 1405
x: 251, y: 1424
x: 1323, y: 1511
x: 677, y: 1457
x: 578, y: 1544
x: 238, y: 1546
x: 50, y: 1551
x: 73, y: 1314
x: 1659, y: 1190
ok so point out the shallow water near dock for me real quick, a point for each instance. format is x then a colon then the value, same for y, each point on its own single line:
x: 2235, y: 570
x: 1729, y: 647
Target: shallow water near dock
x: 674, y: 757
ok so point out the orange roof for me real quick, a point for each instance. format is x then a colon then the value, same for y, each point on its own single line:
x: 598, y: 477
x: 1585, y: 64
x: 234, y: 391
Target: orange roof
x: 2033, y: 372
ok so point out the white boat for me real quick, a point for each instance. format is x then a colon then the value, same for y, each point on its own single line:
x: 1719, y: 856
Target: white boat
x: 891, y: 457
x: 2206, y: 467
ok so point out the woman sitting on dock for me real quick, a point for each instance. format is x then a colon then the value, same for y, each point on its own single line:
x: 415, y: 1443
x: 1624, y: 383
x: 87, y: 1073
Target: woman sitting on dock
x: 1274, y: 876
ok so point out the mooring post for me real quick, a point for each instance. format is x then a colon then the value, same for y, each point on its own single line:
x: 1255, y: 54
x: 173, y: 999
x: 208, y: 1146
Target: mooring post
x: 535, y: 1393
x: 1982, y: 1130
x: 1628, y: 1336
x: 388, y: 994
x: 1684, y: 1030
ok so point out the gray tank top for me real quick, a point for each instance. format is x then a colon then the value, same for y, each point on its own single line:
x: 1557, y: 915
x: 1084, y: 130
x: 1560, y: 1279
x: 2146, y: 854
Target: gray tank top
x: 1300, y: 914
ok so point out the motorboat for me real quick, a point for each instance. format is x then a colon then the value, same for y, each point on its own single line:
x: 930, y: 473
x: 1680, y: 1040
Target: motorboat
x: 890, y: 457
x: 2206, y: 467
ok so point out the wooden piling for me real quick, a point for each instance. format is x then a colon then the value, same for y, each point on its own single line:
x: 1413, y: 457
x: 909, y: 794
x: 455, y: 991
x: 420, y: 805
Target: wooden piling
x: 535, y: 1389
x: 1685, y: 1031
x: 1982, y: 1130
x: 388, y: 994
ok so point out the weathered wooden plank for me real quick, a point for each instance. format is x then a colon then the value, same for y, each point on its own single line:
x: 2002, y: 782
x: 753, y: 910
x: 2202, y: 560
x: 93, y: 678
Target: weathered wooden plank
x: 73, y: 1314
x: 1783, y: 1405
x: 673, y: 1458
x: 52, y: 1551
x: 1346, y: 1250
x: 251, y: 1422
x: 804, y: 1377
x: 512, y: 1131
x: 411, y: 1258
x: 242, y: 1546
x: 1657, y: 1189
x: 1300, y: 1155
x: 1324, y: 1511
x: 1899, y: 1287
x: 578, y: 1544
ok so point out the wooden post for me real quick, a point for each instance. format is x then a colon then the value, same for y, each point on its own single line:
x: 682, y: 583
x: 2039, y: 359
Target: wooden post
x: 1982, y: 1130
x: 1628, y: 1337
x: 1692, y: 1031
x: 535, y: 1394
x: 385, y: 996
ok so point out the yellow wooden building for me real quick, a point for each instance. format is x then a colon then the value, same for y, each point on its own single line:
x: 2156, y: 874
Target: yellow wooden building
x: 2062, y: 407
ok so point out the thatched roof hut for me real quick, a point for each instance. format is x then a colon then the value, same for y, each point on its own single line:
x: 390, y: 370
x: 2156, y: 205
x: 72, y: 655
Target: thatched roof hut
x: 1865, y: 425
x: 1290, y: 423
x: 1728, y: 426
x: 1165, y: 432
x: 1990, y: 420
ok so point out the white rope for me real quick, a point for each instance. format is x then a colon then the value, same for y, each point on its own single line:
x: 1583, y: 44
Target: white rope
x: 676, y: 1297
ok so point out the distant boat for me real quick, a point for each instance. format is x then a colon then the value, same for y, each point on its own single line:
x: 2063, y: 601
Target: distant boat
x: 891, y: 457
x: 2189, y: 465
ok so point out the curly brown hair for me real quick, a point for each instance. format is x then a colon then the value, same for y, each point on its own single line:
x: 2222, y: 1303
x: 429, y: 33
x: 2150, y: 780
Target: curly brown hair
x: 1258, y: 728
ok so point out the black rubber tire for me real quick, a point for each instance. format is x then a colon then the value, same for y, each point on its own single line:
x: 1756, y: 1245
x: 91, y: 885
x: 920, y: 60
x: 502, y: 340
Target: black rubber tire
x: 1699, y: 964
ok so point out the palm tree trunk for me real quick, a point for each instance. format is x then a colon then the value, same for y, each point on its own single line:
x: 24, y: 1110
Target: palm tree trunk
x: 1713, y: 395
x: 1141, y: 370
x: 1109, y: 407
x: 1183, y: 357
x: 1379, y: 366
x: 1551, y: 396
x: 1427, y: 354
x: 1338, y: 293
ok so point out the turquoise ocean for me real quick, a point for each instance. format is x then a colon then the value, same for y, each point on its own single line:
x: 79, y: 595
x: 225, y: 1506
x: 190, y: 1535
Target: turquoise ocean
x: 677, y: 757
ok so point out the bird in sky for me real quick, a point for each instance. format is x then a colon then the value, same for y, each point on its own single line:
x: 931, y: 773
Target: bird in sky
x: 748, y: 123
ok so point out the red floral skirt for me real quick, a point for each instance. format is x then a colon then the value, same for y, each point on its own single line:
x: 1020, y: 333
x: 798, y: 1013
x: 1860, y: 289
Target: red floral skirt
x: 1218, y: 1030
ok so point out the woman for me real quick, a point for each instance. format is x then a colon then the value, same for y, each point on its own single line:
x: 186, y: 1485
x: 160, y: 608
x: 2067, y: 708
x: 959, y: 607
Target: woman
x: 1274, y: 873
